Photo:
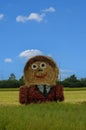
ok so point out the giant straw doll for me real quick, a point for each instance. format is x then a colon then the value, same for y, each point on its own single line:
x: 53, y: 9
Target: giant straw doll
x: 40, y: 76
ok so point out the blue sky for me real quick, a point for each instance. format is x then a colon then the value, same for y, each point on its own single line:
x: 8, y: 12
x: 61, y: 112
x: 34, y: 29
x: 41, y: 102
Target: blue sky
x: 54, y: 27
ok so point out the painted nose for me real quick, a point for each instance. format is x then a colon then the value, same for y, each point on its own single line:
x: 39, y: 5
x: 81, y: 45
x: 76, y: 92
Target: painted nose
x: 40, y: 70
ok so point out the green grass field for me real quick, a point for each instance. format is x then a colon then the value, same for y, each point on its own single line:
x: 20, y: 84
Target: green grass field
x: 67, y: 115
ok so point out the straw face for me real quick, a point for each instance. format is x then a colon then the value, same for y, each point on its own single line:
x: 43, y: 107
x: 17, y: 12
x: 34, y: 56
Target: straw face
x: 40, y: 70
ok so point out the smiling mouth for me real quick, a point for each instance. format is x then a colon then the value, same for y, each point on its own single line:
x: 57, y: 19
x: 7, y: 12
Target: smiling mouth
x: 41, y: 75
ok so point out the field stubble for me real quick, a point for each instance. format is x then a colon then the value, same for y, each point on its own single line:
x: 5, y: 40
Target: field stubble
x: 67, y: 115
x: 11, y: 97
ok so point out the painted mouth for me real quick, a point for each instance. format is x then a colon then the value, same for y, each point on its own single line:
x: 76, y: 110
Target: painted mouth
x: 41, y: 75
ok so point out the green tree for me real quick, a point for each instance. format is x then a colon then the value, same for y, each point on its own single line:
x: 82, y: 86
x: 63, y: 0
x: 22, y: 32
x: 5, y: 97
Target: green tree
x: 12, y: 76
x: 21, y: 80
x: 83, y: 82
x: 72, y: 81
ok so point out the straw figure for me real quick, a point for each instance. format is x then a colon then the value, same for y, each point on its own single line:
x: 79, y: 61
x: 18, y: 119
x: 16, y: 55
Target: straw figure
x: 40, y: 76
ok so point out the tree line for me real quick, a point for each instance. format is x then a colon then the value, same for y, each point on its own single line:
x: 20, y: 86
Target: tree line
x: 71, y: 82
x: 11, y: 82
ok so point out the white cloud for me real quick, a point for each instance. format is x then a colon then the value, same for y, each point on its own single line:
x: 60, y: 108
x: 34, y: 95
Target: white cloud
x: 33, y: 16
x: 30, y: 53
x: 50, y: 9
x: 38, y: 17
x: 66, y: 71
x: 1, y: 16
x: 8, y: 60
x: 21, y: 18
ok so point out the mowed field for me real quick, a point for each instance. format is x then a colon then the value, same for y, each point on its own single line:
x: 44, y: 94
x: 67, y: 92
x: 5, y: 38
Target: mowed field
x: 67, y: 115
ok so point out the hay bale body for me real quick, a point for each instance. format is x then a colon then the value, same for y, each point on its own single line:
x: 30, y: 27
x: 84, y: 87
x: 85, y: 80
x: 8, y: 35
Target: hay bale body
x: 40, y: 75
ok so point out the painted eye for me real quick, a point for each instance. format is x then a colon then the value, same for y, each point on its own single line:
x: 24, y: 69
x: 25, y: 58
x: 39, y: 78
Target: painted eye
x: 43, y: 65
x: 34, y: 66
